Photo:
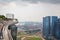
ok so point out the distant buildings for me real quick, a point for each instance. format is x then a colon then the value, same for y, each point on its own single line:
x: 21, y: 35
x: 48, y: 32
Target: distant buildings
x: 51, y: 27
x: 30, y: 25
x: 10, y: 16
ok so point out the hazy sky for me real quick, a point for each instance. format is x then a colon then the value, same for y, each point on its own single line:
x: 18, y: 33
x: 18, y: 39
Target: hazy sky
x: 30, y: 10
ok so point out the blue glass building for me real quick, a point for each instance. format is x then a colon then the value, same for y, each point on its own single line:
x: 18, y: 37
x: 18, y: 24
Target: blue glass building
x: 57, y: 33
x: 49, y: 26
x: 46, y: 27
x: 53, y: 22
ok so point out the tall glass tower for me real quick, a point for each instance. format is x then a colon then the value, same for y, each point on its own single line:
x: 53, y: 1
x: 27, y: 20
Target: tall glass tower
x: 53, y: 25
x: 49, y: 26
x: 46, y: 27
x: 57, y: 33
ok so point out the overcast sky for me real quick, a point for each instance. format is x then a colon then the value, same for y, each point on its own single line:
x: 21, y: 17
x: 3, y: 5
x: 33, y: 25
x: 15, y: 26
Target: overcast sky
x: 30, y: 10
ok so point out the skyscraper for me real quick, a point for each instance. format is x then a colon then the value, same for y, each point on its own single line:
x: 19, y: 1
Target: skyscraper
x: 53, y: 25
x: 46, y: 27
x: 49, y: 26
x: 57, y: 33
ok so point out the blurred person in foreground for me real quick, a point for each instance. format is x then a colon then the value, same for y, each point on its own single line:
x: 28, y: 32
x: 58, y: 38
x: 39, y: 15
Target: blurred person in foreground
x: 1, y: 30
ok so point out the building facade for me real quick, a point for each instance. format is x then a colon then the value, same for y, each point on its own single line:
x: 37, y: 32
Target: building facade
x: 53, y: 25
x: 49, y: 26
x: 57, y: 33
x: 46, y: 27
x: 10, y: 16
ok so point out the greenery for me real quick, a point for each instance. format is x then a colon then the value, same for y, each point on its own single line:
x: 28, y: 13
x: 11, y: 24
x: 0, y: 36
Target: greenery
x: 27, y: 37
x: 21, y: 33
x: 33, y: 38
x: 18, y: 38
x: 2, y: 17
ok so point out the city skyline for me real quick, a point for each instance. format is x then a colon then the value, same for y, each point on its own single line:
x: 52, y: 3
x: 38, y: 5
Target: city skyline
x: 30, y: 10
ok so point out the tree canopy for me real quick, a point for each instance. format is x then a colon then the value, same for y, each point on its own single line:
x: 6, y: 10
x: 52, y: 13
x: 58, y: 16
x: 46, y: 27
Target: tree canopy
x: 3, y: 17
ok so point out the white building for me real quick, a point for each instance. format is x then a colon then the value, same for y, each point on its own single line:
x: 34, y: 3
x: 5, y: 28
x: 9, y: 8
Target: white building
x: 10, y: 16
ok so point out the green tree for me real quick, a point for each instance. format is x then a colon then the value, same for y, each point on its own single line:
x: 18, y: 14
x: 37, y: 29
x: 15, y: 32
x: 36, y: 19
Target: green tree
x: 3, y: 17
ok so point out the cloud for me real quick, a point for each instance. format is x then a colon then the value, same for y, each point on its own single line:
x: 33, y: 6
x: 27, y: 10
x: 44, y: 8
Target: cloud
x: 47, y: 1
x: 31, y: 1
x: 7, y: 2
x: 26, y: 11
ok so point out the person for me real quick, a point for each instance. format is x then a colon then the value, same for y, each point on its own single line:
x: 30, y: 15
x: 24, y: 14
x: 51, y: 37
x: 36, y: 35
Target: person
x: 1, y: 28
x: 13, y: 29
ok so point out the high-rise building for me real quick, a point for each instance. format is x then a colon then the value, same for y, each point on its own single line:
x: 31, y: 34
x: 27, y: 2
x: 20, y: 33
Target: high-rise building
x: 49, y: 26
x: 53, y: 25
x: 46, y: 27
x: 57, y: 33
